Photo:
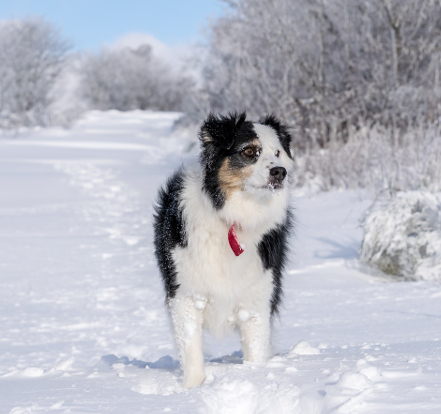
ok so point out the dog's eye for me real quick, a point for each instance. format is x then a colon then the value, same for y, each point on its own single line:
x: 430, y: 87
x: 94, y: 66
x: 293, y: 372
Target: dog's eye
x: 277, y: 153
x: 249, y: 152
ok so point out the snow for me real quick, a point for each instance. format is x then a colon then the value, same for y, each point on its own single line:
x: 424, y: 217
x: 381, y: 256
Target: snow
x: 303, y: 348
x: 83, y: 327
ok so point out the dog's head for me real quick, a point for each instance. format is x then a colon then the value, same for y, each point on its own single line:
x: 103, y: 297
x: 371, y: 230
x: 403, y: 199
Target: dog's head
x: 239, y: 155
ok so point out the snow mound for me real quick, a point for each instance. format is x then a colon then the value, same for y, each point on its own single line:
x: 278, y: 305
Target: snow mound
x: 303, y: 348
x: 239, y: 395
x: 354, y: 381
x: 403, y: 236
x: 157, y: 382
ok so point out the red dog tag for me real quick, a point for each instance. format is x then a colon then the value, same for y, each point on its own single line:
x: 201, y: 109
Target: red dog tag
x: 234, y: 243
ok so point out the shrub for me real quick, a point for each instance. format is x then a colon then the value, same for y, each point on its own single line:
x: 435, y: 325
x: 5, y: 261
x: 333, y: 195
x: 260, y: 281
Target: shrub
x: 402, y: 236
x: 126, y: 79
x: 32, y: 57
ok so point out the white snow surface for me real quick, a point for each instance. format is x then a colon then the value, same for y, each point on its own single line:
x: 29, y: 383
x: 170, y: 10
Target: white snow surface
x: 83, y: 328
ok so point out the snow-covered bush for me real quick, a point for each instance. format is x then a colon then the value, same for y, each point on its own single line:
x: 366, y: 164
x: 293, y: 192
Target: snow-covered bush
x: 402, y: 236
x: 32, y: 57
x: 375, y: 160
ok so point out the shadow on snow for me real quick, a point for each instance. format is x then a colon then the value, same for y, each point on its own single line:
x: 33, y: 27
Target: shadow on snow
x: 167, y: 362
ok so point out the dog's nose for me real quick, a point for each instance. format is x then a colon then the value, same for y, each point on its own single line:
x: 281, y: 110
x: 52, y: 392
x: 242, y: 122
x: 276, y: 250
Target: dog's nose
x: 278, y: 173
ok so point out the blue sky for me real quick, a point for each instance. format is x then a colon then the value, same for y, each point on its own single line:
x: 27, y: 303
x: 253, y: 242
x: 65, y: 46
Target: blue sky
x: 90, y: 24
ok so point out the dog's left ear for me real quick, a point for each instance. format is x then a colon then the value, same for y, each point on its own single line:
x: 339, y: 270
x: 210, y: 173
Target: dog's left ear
x: 221, y: 130
x: 281, y: 130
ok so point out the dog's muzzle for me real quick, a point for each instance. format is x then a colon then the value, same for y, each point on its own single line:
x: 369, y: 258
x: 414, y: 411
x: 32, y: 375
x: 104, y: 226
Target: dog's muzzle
x: 277, y: 175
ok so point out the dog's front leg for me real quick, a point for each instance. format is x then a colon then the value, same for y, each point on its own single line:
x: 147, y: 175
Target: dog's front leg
x: 255, y: 336
x: 187, y: 322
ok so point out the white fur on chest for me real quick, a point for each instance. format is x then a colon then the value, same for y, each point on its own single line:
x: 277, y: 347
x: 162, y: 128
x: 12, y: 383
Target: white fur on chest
x: 221, y: 283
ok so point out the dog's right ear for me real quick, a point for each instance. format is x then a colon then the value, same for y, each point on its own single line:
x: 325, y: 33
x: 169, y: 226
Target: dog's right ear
x: 221, y: 130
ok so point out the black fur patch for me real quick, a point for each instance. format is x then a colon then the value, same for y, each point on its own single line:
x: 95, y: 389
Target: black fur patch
x: 273, y: 250
x: 221, y: 137
x: 281, y: 130
x: 169, y: 228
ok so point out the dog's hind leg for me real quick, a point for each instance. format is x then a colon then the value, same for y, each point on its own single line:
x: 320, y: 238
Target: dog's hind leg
x: 255, y: 336
x: 187, y: 323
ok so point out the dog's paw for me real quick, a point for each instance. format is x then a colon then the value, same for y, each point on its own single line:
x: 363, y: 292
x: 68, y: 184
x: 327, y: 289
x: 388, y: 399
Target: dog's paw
x: 193, y: 379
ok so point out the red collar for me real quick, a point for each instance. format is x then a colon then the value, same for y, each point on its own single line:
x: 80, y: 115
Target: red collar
x: 237, y: 248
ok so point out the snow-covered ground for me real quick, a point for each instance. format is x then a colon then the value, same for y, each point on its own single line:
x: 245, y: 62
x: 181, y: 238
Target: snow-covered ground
x: 82, y: 323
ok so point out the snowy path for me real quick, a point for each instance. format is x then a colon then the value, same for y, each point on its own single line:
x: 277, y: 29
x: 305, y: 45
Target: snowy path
x: 82, y: 323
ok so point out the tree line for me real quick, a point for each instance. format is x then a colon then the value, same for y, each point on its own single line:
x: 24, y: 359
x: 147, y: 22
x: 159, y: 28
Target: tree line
x: 37, y: 66
x: 327, y: 68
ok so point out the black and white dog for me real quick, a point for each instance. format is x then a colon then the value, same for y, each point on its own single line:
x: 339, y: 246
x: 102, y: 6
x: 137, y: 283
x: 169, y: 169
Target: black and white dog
x: 221, y: 234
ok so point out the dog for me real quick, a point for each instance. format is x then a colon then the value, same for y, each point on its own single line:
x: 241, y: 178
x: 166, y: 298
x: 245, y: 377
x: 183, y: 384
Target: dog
x: 221, y: 237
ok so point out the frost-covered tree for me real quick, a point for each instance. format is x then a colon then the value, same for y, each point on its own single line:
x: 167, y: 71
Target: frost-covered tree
x: 327, y: 67
x: 127, y: 79
x: 32, y: 56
